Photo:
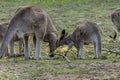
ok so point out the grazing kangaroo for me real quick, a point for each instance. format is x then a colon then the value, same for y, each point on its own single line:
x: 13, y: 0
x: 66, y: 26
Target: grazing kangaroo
x: 3, y: 30
x: 84, y: 33
x: 115, y: 17
x: 31, y: 20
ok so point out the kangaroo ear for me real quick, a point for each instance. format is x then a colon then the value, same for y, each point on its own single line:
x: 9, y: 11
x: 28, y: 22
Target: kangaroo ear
x: 63, y: 34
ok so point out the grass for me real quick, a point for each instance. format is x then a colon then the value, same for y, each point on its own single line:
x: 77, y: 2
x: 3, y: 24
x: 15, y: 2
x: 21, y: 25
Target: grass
x: 66, y: 14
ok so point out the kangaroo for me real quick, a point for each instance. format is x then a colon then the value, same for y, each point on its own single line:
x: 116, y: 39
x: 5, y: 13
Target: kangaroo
x: 85, y: 33
x: 116, y: 21
x: 31, y: 20
x: 3, y: 30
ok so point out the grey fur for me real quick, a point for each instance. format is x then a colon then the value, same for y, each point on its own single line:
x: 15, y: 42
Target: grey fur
x: 85, y: 33
x: 3, y: 30
x: 115, y: 17
x: 31, y: 20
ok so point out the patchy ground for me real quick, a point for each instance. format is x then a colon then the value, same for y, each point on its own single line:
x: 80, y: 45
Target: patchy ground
x: 66, y: 14
x: 19, y: 69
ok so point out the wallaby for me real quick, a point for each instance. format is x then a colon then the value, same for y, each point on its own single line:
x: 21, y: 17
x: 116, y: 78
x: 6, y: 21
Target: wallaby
x: 3, y: 30
x: 115, y: 17
x: 31, y: 20
x: 85, y: 33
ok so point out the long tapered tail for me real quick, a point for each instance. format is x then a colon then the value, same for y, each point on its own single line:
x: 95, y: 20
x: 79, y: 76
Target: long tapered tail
x: 7, y: 38
x: 98, y: 46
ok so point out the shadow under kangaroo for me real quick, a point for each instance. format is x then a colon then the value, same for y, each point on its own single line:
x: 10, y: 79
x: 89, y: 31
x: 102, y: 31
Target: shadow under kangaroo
x: 84, y: 33
x: 31, y: 20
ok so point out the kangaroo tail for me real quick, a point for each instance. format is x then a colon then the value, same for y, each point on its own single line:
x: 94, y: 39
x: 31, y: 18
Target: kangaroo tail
x: 8, y: 36
x: 99, y: 45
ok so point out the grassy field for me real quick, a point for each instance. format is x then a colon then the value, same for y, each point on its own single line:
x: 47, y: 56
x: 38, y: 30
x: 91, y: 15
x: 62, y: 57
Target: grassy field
x: 65, y: 15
